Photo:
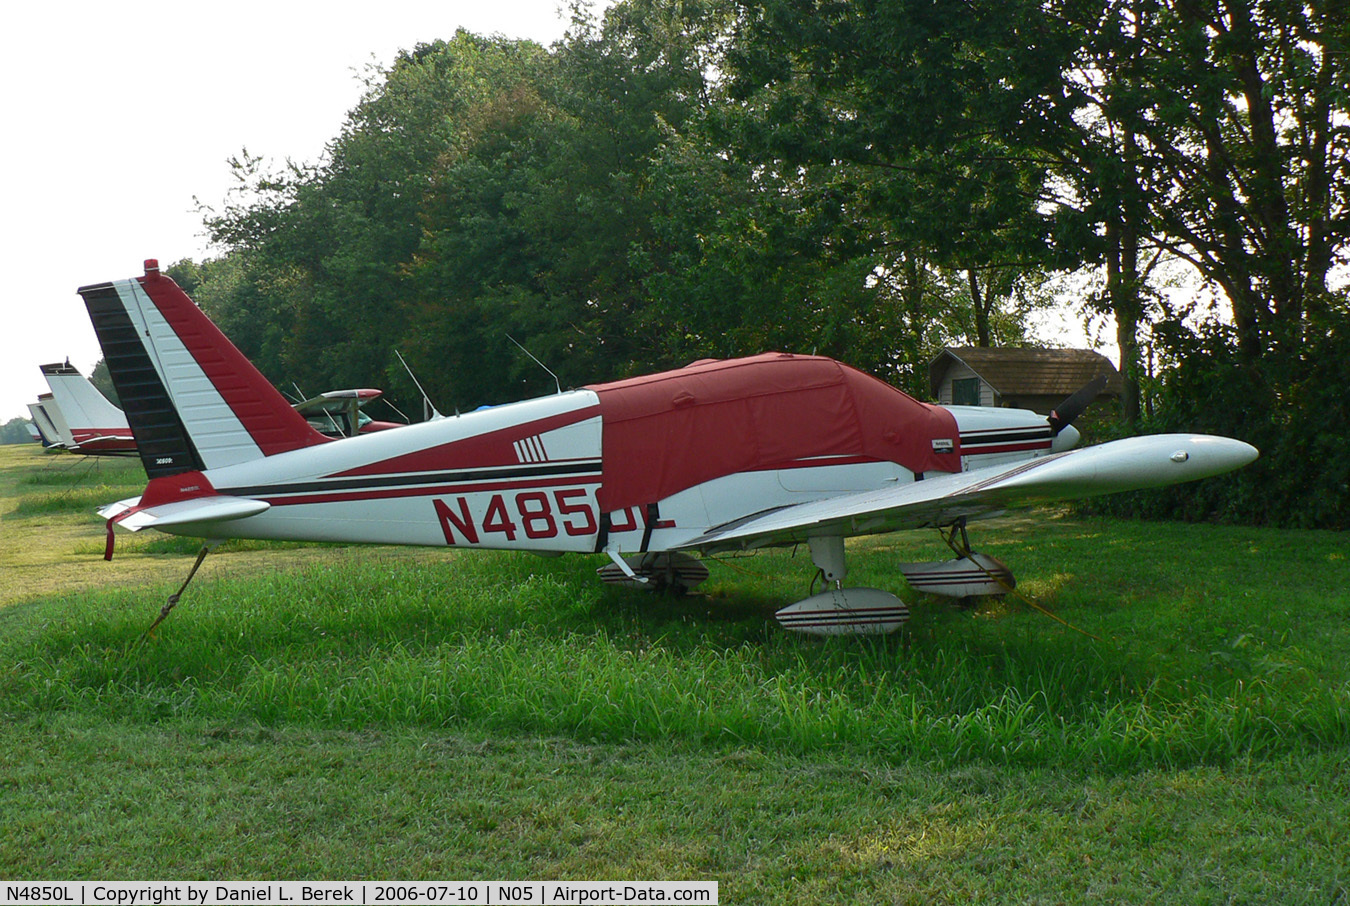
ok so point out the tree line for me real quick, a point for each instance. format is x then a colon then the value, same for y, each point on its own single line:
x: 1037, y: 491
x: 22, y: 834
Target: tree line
x: 866, y: 179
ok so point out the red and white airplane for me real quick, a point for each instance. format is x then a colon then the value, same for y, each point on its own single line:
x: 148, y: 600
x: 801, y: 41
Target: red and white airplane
x: 720, y: 456
x: 337, y: 413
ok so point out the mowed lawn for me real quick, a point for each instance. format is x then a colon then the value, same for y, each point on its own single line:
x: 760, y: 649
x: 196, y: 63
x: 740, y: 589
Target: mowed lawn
x: 394, y: 713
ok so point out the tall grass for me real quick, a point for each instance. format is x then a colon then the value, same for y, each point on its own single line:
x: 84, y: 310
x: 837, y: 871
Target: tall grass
x: 66, y: 483
x: 72, y: 500
x: 489, y: 644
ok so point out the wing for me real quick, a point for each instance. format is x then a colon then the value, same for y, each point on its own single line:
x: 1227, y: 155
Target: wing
x: 1122, y: 465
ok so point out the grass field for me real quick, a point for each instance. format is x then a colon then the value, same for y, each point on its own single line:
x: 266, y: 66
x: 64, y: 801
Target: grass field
x: 342, y: 712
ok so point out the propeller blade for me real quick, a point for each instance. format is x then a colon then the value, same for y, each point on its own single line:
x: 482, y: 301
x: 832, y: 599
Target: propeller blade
x: 1071, y: 408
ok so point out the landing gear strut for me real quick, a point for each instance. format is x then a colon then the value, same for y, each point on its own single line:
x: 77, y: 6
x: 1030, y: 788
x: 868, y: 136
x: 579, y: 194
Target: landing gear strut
x: 827, y: 553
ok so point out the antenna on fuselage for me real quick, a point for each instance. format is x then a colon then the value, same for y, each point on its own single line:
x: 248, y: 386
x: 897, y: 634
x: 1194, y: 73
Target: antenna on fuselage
x: 426, y: 400
x: 556, y: 382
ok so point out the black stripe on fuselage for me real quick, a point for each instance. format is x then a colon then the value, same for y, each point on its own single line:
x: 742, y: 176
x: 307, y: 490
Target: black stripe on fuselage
x: 385, y: 482
x: 981, y: 438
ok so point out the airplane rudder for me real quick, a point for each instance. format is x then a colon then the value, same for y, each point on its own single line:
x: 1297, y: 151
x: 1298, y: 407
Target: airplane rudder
x: 162, y: 439
x: 172, y: 353
x: 270, y: 421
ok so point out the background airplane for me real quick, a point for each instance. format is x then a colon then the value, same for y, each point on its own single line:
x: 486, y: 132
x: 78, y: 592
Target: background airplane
x: 337, y: 413
x: 720, y: 456
x: 43, y: 424
x: 77, y: 418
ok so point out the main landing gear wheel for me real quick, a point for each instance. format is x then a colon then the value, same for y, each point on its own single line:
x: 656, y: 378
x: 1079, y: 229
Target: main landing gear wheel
x: 970, y: 576
x: 839, y: 610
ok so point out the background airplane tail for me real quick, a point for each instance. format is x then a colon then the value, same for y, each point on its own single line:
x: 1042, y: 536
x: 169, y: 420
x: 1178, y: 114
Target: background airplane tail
x: 46, y: 420
x: 79, y: 399
x: 192, y: 399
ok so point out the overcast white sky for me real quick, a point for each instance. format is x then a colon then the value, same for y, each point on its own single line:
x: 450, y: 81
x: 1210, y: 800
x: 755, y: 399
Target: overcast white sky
x: 117, y: 114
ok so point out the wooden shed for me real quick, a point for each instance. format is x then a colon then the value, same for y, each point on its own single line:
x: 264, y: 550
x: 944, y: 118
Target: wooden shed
x: 1019, y: 378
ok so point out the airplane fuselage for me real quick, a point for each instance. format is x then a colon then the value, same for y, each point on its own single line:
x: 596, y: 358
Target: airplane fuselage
x: 527, y: 476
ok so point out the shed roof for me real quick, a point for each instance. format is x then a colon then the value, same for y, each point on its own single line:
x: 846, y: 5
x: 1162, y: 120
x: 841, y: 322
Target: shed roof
x: 1028, y: 371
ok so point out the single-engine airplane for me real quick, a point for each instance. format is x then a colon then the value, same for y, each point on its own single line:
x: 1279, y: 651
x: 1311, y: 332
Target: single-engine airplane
x: 719, y: 456
x: 337, y: 413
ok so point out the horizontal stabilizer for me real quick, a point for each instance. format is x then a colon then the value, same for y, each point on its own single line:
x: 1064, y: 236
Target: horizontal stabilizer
x: 216, y: 508
x: 113, y: 510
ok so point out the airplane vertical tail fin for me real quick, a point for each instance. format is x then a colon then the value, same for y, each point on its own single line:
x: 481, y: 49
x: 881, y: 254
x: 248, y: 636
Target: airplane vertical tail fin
x: 192, y: 399
x: 96, y: 425
x: 80, y: 401
x: 51, y: 435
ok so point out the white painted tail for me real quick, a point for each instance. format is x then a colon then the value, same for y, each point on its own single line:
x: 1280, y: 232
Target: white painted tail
x: 80, y: 401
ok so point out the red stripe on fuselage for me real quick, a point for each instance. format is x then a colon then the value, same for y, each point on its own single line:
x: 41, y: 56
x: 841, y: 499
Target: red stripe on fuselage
x: 488, y: 450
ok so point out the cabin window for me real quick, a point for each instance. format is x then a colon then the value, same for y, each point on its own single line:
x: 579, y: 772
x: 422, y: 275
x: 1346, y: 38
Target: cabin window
x: 965, y: 391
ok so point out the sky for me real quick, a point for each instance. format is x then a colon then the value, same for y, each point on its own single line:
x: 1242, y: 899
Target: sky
x: 121, y: 116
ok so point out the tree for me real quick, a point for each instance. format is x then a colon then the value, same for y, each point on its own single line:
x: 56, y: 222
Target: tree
x: 535, y: 222
x: 1211, y: 131
x: 1247, y: 143
x: 917, y: 103
x: 316, y: 279
x: 15, y: 431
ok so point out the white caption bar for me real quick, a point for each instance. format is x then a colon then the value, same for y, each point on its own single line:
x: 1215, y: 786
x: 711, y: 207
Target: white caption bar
x: 365, y: 893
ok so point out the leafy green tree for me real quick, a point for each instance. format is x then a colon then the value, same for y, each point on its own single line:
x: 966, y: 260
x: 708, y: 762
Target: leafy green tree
x: 1239, y: 111
x: 916, y: 103
x: 1207, y: 132
x: 1213, y: 132
x: 534, y: 221
x: 745, y: 259
x: 316, y: 281
x: 15, y: 431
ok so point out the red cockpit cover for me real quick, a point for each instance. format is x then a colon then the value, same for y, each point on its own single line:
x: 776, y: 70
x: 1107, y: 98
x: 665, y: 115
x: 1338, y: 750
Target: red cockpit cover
x: 670, y: 431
